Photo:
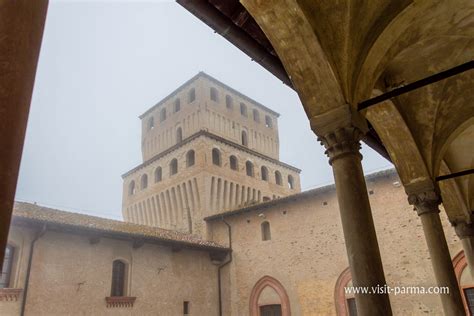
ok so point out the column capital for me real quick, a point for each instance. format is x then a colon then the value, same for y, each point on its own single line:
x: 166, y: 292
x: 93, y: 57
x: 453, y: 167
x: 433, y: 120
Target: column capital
x: 425, y: 201
x: 464, y: 230
x: 339, y: 131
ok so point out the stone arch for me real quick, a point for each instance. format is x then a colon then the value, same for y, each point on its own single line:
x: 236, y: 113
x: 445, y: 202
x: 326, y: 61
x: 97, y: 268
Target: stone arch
x: 339, y: 294
x: 460, y: 264
x: 279, y: 289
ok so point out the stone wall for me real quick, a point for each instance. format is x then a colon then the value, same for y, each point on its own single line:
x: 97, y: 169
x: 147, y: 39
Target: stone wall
x: 71, y: 276
x: 306, y: 253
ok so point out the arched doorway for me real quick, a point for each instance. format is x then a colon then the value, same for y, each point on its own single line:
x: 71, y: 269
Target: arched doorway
x: 345, y: 303
x: 465, y: 281
x: 264, y: 288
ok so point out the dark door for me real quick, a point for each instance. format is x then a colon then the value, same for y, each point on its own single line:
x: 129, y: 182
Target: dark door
x: 270, y: 310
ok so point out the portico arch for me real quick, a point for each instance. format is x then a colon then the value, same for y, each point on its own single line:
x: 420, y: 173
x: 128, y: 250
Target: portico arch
x: 279, y: 289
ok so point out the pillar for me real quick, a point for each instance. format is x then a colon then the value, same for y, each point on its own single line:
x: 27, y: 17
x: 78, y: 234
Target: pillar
x: 426, y: 204
x: 21, y: 30
x: 465, y: 232
x: 340, y: 133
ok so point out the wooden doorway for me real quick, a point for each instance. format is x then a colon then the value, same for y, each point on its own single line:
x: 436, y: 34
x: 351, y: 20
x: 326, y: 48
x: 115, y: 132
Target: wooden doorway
x: 270, y: 310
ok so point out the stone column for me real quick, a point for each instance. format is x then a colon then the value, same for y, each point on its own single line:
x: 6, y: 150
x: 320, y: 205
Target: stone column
x: 21, y: 30
x: 465, y: 232
x: 340, y: 133
x: 426, y: 204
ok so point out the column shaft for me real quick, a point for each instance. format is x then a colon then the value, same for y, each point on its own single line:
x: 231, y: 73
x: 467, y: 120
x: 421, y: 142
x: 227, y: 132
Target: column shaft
x: 442, y: 263
x: 426, y: 203
x: 468, y: 246
x: 359, y: 234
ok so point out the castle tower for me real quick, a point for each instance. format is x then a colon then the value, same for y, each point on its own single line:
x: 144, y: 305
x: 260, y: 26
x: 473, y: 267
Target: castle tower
x: 206, y: 149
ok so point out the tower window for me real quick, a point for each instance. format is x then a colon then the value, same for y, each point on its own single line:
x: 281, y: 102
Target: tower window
x: 163, y: 115
x: 177, y: 105
x: 266, y: 234
x: 190, y: 158
x: 216, y: 157
x: 256, y: 115
x: 228, y: 102
x: 118, y: 278
x: 264, y: 173
x: 234, y: 165
x: 249, y: 168
x: 144, y: 182
x: 179, y: 135
x: 131, y: 188
x: 7, y: 267
x: 291, y: 182
x: 278, y: 177
x: 268, y: 121
x: 245, y: 141
x: 173, y: 166
x: 158, y: 174
x: 151, y: 123
x: 243, y: 109
x: 214, y: 94
x: 191, y: 95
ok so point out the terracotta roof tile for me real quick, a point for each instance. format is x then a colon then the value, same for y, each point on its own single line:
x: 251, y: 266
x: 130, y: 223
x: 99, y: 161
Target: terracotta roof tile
x: 39, y: 214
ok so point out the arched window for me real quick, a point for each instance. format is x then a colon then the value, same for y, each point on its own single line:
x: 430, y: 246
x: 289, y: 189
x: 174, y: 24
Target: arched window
x: 266, y: 234
x: 268, y: 121
x: 291, y: 182
x: 179, y: 135
x: 216, y: 157
x: 249, y: 168
x: 177, y: 105
x: 158, y: 174
x: 234, y: 165
x: 131, y: 188
x: 162, y: 115
x: 214, y: 95
x: 243, y: 109
x: 256, y: 115
x: 151, y: 123
x: 191, y: 95
x: 228, y: 102
x: 278, y: 177
x: 5, y: 277
x: 173, y: 166
x: 245, y: 141
x: 190, y: 158
x: 264, y: 173
x: 118, y: 278
x: 144, y: 181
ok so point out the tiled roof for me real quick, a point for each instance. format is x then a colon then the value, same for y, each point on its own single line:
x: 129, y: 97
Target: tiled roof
x: 62, y: 220
x: 296, y: 196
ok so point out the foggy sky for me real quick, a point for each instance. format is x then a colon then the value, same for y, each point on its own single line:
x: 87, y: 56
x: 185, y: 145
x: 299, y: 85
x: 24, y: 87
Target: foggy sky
x: 104, y: 63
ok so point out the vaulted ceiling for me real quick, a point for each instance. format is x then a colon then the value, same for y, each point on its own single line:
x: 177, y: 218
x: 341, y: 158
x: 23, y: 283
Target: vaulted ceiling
x: 346, y: 51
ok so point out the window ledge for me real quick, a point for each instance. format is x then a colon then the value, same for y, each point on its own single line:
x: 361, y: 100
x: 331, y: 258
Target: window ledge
x: 10, y: 294
x: 120, y: 301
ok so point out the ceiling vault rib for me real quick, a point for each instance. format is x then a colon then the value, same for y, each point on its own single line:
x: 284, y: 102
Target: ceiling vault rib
x: 455, y: 175
x: 417, y: 84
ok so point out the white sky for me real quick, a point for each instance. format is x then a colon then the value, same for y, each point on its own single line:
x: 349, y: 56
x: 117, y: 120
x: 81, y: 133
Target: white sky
x: 102, y: 64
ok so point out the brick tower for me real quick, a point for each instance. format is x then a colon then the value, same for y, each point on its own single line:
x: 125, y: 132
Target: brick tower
x: 206, y: 149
